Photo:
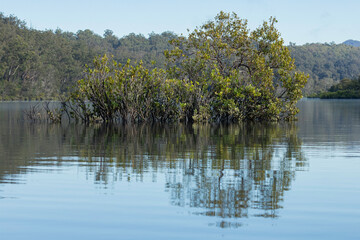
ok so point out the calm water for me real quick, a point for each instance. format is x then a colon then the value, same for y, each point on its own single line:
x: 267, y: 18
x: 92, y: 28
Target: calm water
x: 275, y: 181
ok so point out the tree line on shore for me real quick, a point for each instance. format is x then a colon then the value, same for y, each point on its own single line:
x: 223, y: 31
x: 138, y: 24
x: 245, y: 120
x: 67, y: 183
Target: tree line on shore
x: 221, y: 72
x: 44, y: 64
x: 345, y: 89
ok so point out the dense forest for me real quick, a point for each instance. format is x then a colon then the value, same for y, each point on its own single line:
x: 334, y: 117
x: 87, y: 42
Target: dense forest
x: 44, y: 64
x: 346, y: 88
x: 326, y: 64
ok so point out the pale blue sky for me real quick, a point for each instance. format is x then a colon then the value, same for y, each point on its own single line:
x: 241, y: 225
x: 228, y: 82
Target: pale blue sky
x: 299, y: 21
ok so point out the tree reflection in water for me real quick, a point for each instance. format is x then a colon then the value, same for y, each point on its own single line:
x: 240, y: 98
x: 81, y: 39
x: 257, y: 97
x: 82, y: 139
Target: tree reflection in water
x: 221, y: 171
x: 231, y: 171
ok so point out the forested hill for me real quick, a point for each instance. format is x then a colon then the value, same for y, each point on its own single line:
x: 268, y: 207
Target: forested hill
x: 326, y: 64
x: 43, y: 64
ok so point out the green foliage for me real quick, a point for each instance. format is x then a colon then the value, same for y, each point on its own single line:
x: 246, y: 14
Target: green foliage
x: 45, y: 64
x: 234, y: 74
x: 326, y: 64
x: 345, y: 89
x: 220, y: 72
x: 126, y: 93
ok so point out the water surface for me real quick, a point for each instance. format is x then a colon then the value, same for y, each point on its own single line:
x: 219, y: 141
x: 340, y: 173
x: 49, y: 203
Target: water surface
x: 242, y: 181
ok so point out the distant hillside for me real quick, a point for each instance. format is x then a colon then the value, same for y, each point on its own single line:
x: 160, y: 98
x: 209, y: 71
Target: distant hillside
x: 326, y: 64
x: 353, y: 43
x: 44, y: 64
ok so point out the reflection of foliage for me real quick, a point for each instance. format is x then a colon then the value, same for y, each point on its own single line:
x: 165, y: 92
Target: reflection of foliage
x: 329, y: 121
x: 247, y: 167
x: 223, y: 171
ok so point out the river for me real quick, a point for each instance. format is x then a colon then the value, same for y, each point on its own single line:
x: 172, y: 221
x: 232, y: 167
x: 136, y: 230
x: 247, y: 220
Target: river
x: 240, y: 181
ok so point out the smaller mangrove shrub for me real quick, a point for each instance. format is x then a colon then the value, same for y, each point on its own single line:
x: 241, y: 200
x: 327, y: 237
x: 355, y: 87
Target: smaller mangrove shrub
x: 33, y: 113
x: 124, y: 93
x: 50, y: 112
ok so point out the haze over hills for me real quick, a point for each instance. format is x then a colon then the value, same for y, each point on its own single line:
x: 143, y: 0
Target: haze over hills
x: 44, y: 64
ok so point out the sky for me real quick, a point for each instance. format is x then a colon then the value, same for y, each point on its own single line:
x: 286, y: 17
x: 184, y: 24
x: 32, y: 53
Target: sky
x: 300, y: 21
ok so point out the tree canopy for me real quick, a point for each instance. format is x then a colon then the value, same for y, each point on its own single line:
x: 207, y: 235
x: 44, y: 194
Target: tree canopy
x: 221, y: 72
x: 238, y: 73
